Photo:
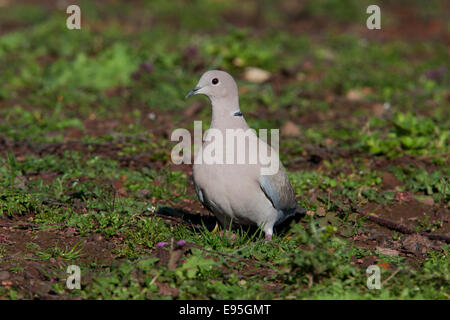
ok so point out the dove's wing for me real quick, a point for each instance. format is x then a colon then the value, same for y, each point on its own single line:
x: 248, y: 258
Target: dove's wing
x: 278, y: 190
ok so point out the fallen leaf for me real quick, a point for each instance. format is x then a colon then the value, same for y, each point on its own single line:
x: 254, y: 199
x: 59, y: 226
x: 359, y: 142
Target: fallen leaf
x: 416, y: 244
x: 290, y: 129
x: 321, y: 212
x: 4, y: 275
x: 389, y: 181
x: 166, y: 290
x: 119, y: 188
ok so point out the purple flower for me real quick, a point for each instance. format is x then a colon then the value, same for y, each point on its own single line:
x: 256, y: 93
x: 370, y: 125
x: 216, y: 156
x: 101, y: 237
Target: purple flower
x: 161, y: 244
x: 181, y: 243
x: 190, y: 53
x: 147, y: 67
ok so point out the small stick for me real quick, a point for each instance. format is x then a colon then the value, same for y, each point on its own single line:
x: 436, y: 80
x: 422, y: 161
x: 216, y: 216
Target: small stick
x: 400, y: 227
x: 431, y: 156
x: 391, y: 276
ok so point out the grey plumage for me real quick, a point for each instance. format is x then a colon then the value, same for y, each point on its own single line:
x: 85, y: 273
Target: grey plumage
x: 239, y: 193
x: 278, y: 190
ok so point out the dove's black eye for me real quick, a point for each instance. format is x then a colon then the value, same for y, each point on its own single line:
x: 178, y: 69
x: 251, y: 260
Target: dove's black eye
x: 215, y: 81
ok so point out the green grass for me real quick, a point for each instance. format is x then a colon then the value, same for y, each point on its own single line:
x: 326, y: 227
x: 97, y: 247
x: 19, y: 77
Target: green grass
x: 85, y: 122
x: 56, y: 252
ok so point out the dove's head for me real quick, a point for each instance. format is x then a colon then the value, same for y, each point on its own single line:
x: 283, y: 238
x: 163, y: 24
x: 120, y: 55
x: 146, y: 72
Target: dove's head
x: 216, y: 85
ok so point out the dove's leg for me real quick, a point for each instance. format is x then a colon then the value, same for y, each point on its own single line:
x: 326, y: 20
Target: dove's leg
x: 268, y: 229
x: 268, y: 233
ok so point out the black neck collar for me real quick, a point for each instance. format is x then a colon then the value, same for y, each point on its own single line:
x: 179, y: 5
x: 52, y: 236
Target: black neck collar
x: 237, y: 114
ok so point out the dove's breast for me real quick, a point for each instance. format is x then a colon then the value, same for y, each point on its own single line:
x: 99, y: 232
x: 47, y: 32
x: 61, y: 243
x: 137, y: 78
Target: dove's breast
x: 233, y: 192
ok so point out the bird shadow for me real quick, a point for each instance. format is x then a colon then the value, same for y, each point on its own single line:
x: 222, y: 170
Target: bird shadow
x: 284, y: 227
x: 198, y: 221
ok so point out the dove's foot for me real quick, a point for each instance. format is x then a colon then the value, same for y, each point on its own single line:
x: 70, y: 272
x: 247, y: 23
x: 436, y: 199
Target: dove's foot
x: 268, y: 236
x: 227, y: 234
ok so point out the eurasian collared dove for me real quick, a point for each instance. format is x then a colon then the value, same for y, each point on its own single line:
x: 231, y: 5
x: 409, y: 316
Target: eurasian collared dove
x: 239, y: 193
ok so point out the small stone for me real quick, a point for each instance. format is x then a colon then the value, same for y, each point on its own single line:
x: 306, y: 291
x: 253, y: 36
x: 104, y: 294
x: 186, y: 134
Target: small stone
x: 354, y: 95
x: 238, y: 62
x: 358, y: 94
x: 388, y: 252
x: 242, y: 282
x: 256, y: 75
x: 428, y: 201
x: 378, y: 109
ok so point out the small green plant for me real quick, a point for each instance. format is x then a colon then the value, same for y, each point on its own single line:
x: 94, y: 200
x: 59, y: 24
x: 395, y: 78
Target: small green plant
x: 232, y: 52
x: 66, y: 253
x: 426, y: 225
x: 319, y: 254
x: 17, y: 202
x: 434, y: 184
x: 407, y: 133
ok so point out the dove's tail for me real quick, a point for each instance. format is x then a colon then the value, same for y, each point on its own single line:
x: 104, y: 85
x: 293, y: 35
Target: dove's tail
x: 300, y: 210
x: 284, y: 215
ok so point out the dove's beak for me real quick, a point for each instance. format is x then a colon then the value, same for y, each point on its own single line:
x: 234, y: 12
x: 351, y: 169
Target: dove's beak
x: 193, y: 91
